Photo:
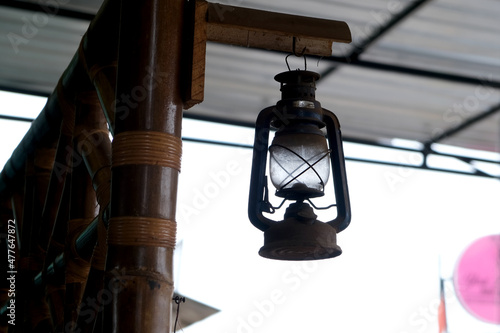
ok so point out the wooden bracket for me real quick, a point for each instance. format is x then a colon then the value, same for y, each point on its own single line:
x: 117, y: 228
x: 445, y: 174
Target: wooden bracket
x: 274, y: 31
x: 251, y: 28
x: 194, y: 51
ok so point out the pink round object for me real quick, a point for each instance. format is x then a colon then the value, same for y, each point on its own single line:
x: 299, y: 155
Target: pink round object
x: 477, y: 279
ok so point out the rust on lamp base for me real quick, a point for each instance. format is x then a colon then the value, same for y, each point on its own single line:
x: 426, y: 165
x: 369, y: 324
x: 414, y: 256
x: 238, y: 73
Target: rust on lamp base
x: 300, y: 237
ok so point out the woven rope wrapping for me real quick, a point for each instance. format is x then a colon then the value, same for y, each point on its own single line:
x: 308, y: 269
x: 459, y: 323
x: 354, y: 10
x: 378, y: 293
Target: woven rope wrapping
x: 142, y: 231
x: 145, y: 147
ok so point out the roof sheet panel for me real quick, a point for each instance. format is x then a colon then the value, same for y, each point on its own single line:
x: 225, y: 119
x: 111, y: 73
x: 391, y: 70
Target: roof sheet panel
x: 457, y: 37
x: 450, y: 36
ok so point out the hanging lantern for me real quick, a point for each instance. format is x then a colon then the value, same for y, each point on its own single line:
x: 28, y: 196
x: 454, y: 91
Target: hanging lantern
x: 301, y: 159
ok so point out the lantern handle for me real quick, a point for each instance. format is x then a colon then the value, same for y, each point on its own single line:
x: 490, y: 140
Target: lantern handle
x: 343, y: 218
x: 258, y: 180
x: 320, y: 208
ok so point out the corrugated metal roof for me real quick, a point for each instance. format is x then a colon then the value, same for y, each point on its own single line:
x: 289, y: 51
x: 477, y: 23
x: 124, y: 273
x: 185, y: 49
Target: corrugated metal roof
x: 399, y: 88
x: 453, y: 36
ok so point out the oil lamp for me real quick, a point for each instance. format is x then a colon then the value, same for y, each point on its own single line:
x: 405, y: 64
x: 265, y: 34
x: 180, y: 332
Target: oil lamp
x: 301, y: 158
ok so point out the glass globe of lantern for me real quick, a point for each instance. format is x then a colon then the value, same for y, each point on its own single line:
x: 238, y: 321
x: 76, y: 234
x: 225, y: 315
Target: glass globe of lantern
x: 299, y: 163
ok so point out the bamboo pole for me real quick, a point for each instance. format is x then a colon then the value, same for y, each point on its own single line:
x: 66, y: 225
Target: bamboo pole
x: 95, y: 149
x: 39, y: 315
x: 33, y: 309
x: 54, y: 279
x: 82, y: 212
x: 62, y: 166
x: 83, y: 209
x: 99, y: 52
x: 145, y: 168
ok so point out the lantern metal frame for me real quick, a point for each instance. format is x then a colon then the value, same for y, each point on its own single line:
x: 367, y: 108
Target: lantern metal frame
x: 259, y: 193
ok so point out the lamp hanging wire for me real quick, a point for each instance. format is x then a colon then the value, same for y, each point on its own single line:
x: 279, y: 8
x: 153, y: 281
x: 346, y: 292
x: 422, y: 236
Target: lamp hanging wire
x: 178, y: 300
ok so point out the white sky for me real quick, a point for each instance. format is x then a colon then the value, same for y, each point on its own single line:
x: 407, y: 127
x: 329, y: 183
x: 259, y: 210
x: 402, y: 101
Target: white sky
x: 405, y: 221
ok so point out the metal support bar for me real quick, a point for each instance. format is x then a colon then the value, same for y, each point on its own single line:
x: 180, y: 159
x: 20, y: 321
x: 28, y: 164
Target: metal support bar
x: 47, y: 7
x: 465, y: 124
x: 417, y: 72
x: 423, y: 166
x: 382, y: 31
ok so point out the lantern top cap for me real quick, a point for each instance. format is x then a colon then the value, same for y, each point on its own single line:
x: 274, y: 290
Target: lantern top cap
x: 297, y: 77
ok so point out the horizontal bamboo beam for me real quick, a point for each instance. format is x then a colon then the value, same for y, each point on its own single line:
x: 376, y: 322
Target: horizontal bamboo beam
x: 274, y: 31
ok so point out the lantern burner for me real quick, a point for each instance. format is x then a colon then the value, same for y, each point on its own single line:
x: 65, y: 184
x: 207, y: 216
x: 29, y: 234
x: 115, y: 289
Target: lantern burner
x: 300, y: 237
x: 298, y: 99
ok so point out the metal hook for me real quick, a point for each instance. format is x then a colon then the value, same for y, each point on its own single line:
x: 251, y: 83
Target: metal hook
x: 294, y: 52
x: 178, y: 299
x: 294, y: 43
x: 317, y: 64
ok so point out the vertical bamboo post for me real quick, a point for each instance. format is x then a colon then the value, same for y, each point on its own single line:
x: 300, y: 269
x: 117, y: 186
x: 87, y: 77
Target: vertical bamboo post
x: 56, y: 286
x: 83, y: 209
x: 95, y: 149
x: 34, y: 313
x: 24, y: 238
x: 146, y: 154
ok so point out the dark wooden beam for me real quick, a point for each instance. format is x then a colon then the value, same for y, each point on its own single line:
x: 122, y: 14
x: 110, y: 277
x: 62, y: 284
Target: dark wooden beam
x: 274, y: 31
